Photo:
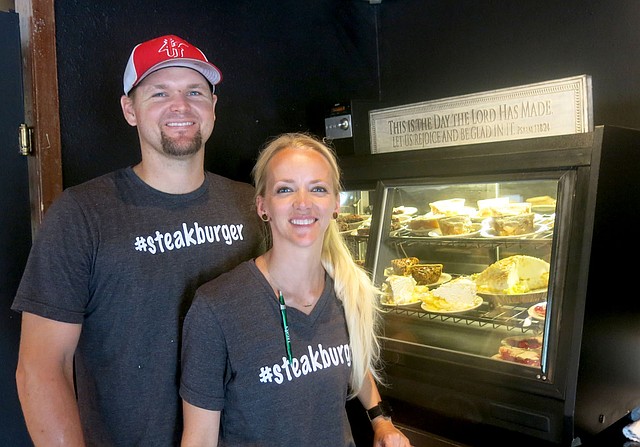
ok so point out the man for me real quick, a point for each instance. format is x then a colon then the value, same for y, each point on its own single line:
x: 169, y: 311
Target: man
x: 117, y: 260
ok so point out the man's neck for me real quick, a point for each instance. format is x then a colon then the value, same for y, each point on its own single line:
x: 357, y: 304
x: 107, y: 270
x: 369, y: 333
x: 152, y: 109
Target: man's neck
x: 172, y: 178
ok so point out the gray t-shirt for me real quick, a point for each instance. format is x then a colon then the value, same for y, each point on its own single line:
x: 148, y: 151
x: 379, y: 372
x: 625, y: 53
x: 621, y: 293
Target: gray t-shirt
x: 234, y: 359
x: 124, y: 260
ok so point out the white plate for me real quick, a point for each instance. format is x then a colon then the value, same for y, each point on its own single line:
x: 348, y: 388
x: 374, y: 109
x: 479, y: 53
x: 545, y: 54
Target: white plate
x: 499, y: 357
x: 444, y: 277
x: 422, y: 233
x: 475, y: 230
x: 545, y: 219
x: 543, y: 209
x: 477, y: 302
x: 490, y: 233
x: 399, y: 232
x: 535, y: 315
x: 389, y: 304
x: 407, y: 210
x: 355, y: 225
x: 526, y: 342
x: 464, y: 211
x: 401, y: 218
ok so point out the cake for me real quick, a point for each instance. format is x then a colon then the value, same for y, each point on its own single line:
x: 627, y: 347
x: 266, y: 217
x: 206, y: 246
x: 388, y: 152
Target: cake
x: 351, y: 218
x: 402, y: 266
x: 448, y: 207
x: 459, y: 293
x: 533, y: 342
x: 517, y: 355
x: 455, y: 225
x: 399, y: 289
x: 513, y: 208
x: 426, y: 273
x: 396, y: 223
x: 541, y: 200
x: 542, y: 204
x: 486, y: 207
x: 512, y: 225
x: 353, y: 221
x: 514, y: 275
x: 395, y: 226
x: 423, y: 223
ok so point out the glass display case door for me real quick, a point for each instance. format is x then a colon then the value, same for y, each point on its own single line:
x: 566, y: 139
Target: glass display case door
x: 465, y: 266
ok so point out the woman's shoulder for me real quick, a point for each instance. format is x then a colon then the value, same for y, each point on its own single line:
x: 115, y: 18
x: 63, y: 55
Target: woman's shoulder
x: 230, y: 283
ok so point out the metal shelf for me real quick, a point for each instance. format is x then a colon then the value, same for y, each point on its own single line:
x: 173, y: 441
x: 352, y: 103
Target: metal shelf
x: 472, y: 242
x: 510, y: 317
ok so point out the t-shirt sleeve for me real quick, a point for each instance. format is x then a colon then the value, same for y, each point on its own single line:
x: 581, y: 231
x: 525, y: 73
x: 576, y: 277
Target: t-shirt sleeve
x: 55, y: 283
x: 204, y: 358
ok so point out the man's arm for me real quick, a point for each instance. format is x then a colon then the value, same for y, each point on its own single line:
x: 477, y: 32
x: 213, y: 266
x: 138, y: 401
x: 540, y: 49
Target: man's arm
x: 45, y: 381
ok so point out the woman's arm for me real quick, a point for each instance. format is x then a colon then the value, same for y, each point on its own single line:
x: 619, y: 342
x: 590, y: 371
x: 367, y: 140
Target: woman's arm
x: 201, y: 426
x: 385, y: 434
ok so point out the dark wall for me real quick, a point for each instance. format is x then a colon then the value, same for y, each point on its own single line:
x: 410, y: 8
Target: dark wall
x: 438, y: 48
x: 286, y: 62
x: 15, y: 228
x: 283, y: 65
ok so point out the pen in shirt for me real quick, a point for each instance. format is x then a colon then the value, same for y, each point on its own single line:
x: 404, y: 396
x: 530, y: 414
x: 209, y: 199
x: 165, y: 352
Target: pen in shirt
x: 285, y: 326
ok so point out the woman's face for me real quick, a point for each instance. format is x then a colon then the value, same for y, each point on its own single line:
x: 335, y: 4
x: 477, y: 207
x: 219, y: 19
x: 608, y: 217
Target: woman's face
x: 299, y: 197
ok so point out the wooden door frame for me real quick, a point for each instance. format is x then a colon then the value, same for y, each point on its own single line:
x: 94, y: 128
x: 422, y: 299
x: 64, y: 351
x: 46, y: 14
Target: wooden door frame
x: 41, y: 103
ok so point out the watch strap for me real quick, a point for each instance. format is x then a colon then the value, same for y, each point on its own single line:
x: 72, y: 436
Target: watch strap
x: 382, y: 409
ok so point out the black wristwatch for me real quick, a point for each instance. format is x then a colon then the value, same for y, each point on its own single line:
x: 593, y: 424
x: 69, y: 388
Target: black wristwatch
x: 382, y: 409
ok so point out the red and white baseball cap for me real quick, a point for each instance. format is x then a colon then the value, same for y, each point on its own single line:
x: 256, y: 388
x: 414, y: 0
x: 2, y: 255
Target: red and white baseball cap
x: 163, y: 52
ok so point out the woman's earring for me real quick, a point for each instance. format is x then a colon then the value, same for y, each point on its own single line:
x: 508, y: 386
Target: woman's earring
x: 335, y: 215
x: 264, y: 217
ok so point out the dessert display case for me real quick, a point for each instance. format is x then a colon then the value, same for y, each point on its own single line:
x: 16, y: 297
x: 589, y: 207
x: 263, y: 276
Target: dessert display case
x: 500, y: 310
x: 354, y: 221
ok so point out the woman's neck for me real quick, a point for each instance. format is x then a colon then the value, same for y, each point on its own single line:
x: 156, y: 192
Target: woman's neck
x: 301, y: 282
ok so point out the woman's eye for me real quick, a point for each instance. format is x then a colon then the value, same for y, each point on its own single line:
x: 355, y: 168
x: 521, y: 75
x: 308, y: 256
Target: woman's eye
x: 283, y: 189
x: 319, y: 189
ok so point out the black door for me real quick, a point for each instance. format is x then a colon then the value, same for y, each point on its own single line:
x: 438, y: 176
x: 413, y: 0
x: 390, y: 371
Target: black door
x: 15, y: 226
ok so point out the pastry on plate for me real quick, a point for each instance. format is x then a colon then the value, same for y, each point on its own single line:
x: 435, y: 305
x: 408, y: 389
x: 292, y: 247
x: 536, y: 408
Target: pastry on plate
x: 514, y: 275
x: 426, y: 273
x: 402, y: 266
x: 399, y: 289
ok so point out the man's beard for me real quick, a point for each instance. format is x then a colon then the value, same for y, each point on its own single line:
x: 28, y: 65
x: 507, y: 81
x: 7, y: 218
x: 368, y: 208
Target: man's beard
x: 171, y: 147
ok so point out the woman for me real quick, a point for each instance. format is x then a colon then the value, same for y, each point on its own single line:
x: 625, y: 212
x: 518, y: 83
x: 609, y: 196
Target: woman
x: 272, y: 349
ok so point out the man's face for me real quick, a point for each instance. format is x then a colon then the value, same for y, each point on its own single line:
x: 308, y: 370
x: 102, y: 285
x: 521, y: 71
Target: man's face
x: 174, y: 111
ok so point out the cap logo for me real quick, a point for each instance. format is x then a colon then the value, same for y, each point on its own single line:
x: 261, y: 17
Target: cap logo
x: 172, y: 48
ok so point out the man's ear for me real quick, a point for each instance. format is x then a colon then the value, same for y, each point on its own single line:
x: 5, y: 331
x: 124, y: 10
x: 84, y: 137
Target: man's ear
x: 128, y: 111
x: 214, y: 99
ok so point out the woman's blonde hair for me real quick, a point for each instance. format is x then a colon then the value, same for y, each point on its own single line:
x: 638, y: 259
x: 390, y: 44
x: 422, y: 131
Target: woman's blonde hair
x: 352, y: 284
